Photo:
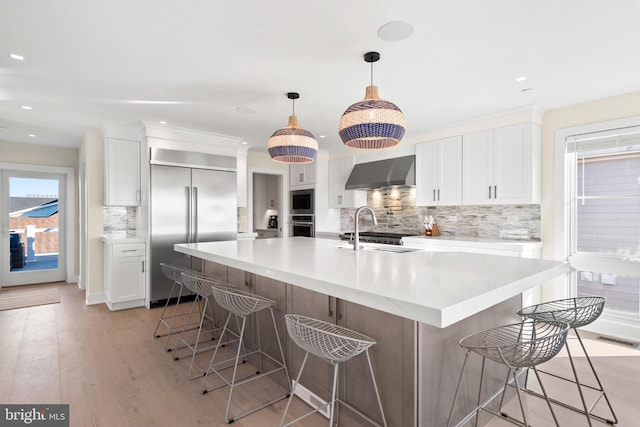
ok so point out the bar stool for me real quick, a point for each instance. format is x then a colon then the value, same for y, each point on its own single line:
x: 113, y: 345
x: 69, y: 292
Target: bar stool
x: 201, y: 286
x: 173, y: 273
x: 330, y: 342
x: 241, y: 305
x: 519, y: 345
x: 576, y: 312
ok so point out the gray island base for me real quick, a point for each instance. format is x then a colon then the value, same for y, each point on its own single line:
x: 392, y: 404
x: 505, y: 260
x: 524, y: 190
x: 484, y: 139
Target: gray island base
x: 416, y: 305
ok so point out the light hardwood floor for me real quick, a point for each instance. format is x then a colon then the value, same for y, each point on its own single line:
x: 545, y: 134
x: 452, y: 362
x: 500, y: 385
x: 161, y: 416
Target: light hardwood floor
x: 112, y: 372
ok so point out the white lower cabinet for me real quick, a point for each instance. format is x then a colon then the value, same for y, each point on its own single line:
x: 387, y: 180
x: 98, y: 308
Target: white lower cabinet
x: 124, y: 275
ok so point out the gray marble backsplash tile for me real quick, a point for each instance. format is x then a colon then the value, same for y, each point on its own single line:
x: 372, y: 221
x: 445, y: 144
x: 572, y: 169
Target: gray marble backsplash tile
x: 397, y: 212
x: 119, y: 219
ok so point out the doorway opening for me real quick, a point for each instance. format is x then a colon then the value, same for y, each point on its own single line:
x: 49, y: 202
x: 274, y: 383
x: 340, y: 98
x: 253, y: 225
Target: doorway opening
x: 267, y: 201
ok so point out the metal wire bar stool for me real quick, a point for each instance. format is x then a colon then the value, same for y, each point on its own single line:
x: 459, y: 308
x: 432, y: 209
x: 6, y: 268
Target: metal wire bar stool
x: 518, y: 345
x: 201, y: 286
x: 168, y: 320
x: 241, y: 305
x: 576, y: 312
x: 333, y: 343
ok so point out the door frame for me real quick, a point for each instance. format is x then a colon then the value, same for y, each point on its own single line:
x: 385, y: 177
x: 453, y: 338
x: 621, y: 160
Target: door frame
x: 283, y: 203
x: 69, y: 224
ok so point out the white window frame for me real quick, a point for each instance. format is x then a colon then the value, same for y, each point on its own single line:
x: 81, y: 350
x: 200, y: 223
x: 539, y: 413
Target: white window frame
x: 617, y: 325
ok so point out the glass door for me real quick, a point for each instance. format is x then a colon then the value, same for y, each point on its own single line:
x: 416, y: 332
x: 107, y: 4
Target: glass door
x: 33, y: 243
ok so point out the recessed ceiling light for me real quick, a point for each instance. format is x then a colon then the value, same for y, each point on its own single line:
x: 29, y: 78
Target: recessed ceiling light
x: 162, y: 122
x: 395, y: 31
x: 245, y: 110
x: 16, y: 57
x: 244, y: 142
x: 322, y: 136
x: 32, y: 135
x: 521, y: 79
x: 26, y: 107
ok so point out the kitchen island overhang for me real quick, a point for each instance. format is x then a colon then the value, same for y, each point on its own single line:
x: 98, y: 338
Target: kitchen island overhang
x: 435, y: 288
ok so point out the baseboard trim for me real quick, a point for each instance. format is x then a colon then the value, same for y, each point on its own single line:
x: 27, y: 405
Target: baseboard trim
x: 92, y: 299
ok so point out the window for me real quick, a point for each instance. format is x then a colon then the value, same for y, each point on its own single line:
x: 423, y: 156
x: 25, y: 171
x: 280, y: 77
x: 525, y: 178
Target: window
x: 605, y: 229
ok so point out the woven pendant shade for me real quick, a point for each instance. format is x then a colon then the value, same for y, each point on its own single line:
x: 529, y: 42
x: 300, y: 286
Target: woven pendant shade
x: 372, y: 123
x: 292, y: 144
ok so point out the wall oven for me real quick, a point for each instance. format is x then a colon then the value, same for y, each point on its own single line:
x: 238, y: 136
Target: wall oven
x: 302, y: 225
x: 302, y: 202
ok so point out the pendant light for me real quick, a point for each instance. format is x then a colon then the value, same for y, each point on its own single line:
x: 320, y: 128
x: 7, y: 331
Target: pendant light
x: 292, y: 144
x: 372, y: 123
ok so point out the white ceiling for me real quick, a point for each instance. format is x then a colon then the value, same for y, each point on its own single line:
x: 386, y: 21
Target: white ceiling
x: 193, y: 62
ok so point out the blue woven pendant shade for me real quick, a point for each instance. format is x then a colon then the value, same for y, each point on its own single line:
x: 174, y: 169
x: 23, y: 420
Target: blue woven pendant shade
x: 292, y: 144
x: 372, y: 123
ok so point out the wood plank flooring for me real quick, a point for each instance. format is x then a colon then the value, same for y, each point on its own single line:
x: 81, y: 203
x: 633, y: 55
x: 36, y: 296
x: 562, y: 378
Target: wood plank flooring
x: 112, y: 372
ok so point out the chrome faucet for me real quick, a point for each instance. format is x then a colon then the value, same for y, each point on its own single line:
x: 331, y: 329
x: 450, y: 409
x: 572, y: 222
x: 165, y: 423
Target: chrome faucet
x: 356, y: 235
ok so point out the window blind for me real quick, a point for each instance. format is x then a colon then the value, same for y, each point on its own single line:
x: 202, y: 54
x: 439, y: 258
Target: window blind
x: 618, y: 140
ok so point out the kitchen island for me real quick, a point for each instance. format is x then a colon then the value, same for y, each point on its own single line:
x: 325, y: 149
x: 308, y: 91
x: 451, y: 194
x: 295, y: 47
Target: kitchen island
x: 416, y: 304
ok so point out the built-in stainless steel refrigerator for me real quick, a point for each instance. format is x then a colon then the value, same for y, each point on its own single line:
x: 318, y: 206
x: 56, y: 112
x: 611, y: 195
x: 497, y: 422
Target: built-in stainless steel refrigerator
x: 193, y: 199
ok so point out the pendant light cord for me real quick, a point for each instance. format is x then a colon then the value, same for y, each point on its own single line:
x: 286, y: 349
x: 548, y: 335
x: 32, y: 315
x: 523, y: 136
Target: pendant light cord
x: 293, y: 102
x: 371, y: 73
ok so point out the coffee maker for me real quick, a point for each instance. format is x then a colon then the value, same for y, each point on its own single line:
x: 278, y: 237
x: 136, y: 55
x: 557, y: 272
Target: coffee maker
x: 273, y: 221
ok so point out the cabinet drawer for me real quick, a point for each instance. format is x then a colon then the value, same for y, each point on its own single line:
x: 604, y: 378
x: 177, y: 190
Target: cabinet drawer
x: 128, y: 250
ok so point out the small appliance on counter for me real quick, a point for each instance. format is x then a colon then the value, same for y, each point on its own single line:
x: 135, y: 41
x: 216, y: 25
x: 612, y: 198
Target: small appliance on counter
x: 273, y: 221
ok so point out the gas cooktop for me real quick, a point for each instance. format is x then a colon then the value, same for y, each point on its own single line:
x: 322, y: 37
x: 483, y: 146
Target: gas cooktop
x: 378, y: 237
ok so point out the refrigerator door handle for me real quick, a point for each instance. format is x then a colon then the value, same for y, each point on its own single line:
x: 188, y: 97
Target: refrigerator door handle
x: 195, y: 214
x: 188, y: 190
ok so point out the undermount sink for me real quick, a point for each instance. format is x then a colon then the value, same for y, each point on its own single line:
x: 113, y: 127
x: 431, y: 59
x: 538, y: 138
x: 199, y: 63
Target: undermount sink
x: 379, y: 247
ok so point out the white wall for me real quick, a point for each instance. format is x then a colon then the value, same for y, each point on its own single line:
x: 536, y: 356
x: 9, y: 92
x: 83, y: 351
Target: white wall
x: 92, y: 153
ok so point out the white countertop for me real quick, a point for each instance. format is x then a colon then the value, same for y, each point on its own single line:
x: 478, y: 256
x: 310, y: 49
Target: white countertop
x: 123, y: 238
x: 436, y: 288
x: 473, y: 241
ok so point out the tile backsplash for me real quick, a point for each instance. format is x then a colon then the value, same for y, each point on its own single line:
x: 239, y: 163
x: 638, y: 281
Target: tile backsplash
x: 123, y: 219
x: 119, y: 219
x: 397, y: 212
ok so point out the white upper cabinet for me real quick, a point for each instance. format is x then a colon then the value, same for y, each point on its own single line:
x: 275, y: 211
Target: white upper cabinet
x: 339, y: 171
x: 302, y: 175
x: 439, y: 172
x: 122, y: 172
x: 502, y: 166
x: 478, y: 168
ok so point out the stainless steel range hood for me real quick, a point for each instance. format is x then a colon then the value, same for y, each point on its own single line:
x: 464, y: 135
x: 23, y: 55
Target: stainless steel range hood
x: 383, y: 173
